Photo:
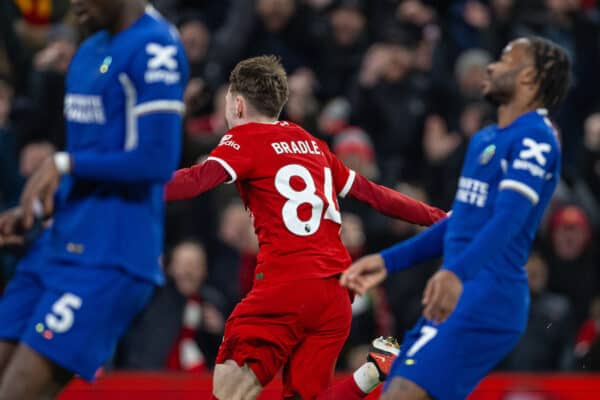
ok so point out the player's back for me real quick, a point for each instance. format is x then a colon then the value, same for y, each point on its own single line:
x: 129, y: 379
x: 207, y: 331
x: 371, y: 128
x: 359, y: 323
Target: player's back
x: 290, y: 182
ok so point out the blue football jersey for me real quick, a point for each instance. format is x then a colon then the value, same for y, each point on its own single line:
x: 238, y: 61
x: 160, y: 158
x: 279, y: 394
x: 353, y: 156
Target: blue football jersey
x: 524, y: 157
x: 123, y: 108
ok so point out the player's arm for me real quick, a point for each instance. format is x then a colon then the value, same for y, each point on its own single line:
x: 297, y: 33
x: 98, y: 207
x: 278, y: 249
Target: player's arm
x: 371, y: 270
x: 394, y: 204
x: 519, y: 193
x: 154, y: 111
x: 191, y: 182
x: 385, y: 200
x: 229, y: 161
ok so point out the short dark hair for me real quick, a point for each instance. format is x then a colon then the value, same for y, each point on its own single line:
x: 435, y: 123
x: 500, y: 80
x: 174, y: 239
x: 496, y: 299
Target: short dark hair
x: 553, y: 68
x: 263, y: 82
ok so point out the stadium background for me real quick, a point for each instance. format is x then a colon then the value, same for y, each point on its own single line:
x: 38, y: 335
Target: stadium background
x: 392, y: 86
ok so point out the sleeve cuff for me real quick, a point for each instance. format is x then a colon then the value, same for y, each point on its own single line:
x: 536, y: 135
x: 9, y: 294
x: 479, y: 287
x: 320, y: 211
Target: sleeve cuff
x: 388, y: 259
x: 62, y: 161
x: 457, y: 271
x: 227, y: 168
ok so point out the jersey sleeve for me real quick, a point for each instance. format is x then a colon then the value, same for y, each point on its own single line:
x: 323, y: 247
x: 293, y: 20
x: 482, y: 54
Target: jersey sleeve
x: 153, y: 87
x: 530, y: 164
x: 343, y: 177
x: 235, y: 153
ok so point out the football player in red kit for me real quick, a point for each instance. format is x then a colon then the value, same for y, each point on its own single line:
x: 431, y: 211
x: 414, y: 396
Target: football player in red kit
x: 297, y: 316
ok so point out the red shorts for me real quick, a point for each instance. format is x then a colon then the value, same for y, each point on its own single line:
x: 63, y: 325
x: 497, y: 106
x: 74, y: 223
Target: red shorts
x: 300, y: 326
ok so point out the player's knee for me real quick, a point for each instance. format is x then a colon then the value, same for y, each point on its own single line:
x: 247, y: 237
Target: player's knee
x: 403, y: 389
x: 232, y: 382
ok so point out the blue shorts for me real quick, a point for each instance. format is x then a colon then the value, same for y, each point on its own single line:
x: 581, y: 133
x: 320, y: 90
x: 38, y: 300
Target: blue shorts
x: 72, y: 315
x: 448, y: 360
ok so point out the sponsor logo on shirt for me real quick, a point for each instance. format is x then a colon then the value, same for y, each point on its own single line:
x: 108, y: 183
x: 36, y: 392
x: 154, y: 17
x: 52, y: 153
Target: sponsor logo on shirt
x: 472, y: 191
x: 84, y: 109
x: 162, y: 65
x: 226, y: 140
x: 532, y: 168
x: 535, y: 150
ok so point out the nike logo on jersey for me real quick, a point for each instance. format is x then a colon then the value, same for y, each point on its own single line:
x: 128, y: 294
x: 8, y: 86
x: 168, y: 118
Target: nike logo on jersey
x: 162, y: 56
x: 535, y: 150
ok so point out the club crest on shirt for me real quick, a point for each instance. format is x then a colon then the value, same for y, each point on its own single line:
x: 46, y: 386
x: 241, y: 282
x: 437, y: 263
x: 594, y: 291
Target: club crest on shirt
x: 487, y: 154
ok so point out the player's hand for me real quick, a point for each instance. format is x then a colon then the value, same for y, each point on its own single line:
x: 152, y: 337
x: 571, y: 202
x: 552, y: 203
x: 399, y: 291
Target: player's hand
x: 41, y: 187
x: 10, y: 221
x: 365, y: 273
x: 374, y: 64
x: 441, y: 295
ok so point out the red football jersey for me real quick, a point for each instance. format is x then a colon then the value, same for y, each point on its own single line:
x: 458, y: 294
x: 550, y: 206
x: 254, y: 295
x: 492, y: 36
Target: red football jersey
x: 289, y: 181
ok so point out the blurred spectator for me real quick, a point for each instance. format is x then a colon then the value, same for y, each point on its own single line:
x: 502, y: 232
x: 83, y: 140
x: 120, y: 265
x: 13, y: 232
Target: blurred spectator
x: 390, y: 101
x: 588, y: 334
x: 340, y: 48
x: 353, y: 235
x: 573, y: 270
x: 334, y: 117
x: 564, y: 22
x: 444, y: 151
x: 183, y: 324
x: 36, y: 19
x: 10, y: 181
x: 174, y: 10
x: 354, y: 148
x: 470, y: 72
x: 546, y: 343
x: 589, y: 171
x: 195, y: 37
x: 405, y: 289
x: 470, y: 25
x: 203, y: 128
x: 370, y: 313
x: 236, y: 256
x: 260, y: 27
x: 47, y: 89
x: 302, y: 106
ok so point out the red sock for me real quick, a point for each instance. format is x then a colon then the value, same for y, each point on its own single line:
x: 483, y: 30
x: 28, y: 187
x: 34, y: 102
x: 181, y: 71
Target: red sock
x: 345, y: 390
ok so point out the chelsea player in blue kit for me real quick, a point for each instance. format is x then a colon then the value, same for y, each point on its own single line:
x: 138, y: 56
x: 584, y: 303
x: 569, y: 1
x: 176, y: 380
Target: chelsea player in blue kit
x: 95, y: 268
x: 476, y: 305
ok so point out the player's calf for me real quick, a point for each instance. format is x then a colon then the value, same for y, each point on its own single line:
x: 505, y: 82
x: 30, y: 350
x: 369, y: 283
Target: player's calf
x: 403, y: 389
x: 232, y: 382
x: 7, y: 350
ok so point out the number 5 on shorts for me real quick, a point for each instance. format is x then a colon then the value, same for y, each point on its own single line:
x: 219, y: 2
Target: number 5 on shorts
x: 61, y: 318
x: 427, y: 333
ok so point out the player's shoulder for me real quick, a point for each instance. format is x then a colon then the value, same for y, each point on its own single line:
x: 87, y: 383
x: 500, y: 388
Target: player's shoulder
x: 154, y: 27
x: 535, y: 127
x: 92, y: 42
